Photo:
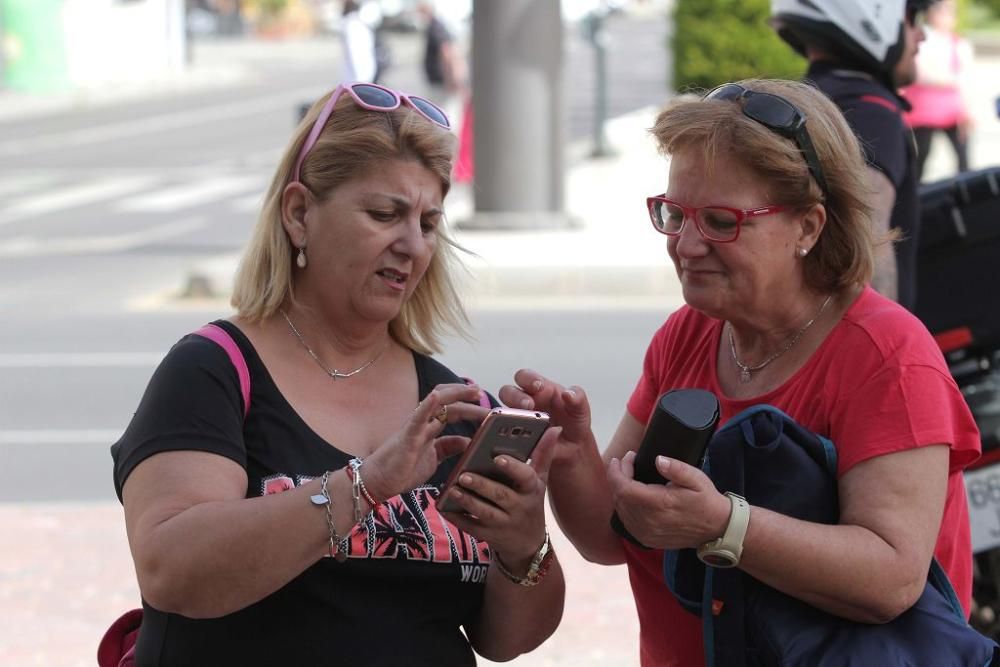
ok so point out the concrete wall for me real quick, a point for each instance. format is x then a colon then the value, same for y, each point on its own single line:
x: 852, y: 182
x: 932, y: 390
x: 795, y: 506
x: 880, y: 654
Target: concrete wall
x: 60, y: 45
x: 110, y: 41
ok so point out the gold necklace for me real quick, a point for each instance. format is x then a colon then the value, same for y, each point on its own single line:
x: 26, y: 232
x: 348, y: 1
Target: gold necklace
x: 746, y: 370
x: 333, y: 373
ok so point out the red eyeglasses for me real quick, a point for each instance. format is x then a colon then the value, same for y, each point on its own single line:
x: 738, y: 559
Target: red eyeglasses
x: 374, y: 98
x: 719, y: 224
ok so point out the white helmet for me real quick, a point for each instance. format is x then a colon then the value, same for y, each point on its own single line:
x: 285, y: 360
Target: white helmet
x: 866, y: 33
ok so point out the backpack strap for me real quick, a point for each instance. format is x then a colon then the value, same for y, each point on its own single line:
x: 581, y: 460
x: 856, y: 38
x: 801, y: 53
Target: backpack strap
x: 220, y: 336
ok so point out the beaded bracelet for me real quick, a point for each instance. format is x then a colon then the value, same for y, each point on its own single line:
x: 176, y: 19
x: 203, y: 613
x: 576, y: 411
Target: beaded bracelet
x: 323, y: 498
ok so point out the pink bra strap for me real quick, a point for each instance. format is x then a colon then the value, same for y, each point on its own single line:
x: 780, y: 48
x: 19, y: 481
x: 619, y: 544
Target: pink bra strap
x: 484, y: 400
x: 220, y: 336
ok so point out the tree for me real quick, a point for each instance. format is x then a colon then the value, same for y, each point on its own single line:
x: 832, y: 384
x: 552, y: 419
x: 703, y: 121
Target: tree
x: 716, y: 41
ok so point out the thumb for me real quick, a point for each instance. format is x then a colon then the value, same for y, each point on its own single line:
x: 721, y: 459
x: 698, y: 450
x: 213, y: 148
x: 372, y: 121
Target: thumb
x: 680, y: 473
x: 541, y: 458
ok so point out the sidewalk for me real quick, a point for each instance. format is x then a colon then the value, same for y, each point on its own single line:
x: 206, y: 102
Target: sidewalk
x: 71, y: 575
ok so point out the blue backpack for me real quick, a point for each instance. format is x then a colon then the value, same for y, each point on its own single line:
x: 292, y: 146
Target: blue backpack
x: 765, y: 456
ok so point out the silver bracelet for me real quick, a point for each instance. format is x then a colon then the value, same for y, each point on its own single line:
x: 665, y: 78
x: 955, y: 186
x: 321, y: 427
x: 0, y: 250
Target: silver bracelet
x: 354, y: 472
x: 323, y: 498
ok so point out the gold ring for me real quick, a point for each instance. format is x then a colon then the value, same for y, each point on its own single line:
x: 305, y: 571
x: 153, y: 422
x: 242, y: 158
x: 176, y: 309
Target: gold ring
x: 442, y: 414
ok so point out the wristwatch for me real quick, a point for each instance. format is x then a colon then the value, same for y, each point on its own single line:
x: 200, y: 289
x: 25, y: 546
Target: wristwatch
x: 726, y: 550
x: 539, y: 567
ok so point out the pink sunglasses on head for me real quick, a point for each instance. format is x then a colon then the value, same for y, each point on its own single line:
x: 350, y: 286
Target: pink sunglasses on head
x: 372, y: 97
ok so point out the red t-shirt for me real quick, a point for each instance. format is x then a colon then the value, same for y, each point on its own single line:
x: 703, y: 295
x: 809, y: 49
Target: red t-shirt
x: 878, y: 384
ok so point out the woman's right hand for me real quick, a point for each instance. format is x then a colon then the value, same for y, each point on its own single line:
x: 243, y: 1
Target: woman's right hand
x: 411, y: 455
x: 568, y: 407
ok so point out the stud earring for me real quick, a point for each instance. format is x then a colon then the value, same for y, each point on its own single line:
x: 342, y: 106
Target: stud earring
x: 803, y: 252
x: 301, y: 260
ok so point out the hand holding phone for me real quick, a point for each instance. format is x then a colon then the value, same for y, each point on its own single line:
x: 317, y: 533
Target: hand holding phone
x: 507, y: 431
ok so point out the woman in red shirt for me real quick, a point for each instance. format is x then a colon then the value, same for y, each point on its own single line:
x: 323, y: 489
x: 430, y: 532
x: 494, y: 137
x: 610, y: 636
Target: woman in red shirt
x: 769, y: 230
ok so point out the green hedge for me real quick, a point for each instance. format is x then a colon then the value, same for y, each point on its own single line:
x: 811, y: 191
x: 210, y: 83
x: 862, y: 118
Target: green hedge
x: 715, y: 41
x: 992, y: 5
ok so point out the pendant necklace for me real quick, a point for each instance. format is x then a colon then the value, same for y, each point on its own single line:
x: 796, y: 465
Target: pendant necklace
x: 333, y: 373
x: 745, y: 370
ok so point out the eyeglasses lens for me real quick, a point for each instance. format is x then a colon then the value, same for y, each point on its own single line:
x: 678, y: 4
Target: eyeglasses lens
x: 668, y: 218
x: 729, y: 91
x: 772, y: 111
x: 716, y: 224
x: 429, y: 110
x: 375, y: 96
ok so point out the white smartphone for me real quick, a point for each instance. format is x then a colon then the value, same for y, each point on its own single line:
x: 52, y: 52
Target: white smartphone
x: 504, y: 431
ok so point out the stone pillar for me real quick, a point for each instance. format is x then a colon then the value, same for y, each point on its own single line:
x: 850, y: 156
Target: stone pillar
x: 518, y: 100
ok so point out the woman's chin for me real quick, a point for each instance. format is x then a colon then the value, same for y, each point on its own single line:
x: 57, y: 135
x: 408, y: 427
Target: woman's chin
x: 702, y: 299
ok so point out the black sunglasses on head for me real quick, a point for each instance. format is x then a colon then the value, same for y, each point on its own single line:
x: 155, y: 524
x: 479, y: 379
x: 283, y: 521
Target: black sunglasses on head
x: 778, y: 115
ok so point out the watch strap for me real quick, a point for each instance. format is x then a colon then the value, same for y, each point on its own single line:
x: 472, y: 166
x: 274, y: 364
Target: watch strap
x: 537, y: 569
x: 727, y: 550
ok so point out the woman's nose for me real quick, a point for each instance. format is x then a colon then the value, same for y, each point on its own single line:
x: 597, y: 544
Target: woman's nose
x: 410, y: 236
x: 690, y: 242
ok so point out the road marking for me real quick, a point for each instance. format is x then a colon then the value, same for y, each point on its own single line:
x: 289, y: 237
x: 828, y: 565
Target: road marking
x: 60, y: 437
x: 188, y: 195
x: 249, y: 204
x: 15, y: 183
x: 33, y: 246
x: 123, y: 131
x: 78, y: 195
x: 79, y: 359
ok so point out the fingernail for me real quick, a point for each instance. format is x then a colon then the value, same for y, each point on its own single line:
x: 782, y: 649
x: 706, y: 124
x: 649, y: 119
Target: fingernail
x: 501, y: 461
x: 526, y: 403
x: 465, y: 480
x: 571, y: 392
x: 455, y: 493
x: 614, y: 460
x: 663, y: 461
x: 536, y: 385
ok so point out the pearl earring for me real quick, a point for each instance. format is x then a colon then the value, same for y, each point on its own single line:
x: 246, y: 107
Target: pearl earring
x: 301, y: 261
x: 803, y: 252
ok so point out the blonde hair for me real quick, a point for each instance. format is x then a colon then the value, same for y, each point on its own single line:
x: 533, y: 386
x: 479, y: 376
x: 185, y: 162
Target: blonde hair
x: 844, y: 253
x: 354, y: 143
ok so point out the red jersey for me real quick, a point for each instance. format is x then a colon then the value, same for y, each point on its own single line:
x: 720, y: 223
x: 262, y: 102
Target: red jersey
x: 878, y: 384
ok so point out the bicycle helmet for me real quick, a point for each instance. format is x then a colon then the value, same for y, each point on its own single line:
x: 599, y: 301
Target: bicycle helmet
x: 866, y: 34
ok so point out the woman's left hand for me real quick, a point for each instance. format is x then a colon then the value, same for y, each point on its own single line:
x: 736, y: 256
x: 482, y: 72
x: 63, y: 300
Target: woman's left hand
x: 683, y: 514
x: 510, y: 517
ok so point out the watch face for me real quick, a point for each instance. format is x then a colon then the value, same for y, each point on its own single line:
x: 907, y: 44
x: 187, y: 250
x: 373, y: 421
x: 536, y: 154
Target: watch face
x: 716, y: 560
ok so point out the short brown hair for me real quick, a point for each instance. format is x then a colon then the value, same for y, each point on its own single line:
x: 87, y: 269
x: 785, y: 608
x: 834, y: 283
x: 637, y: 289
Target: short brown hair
x: 844, y: 253
x: 353, y: 144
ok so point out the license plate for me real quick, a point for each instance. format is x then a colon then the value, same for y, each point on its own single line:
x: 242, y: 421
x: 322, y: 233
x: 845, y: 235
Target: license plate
x: 982, y: 487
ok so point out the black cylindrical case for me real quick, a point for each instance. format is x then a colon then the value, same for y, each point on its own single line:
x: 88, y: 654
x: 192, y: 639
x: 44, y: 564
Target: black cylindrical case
x: 680, y: 427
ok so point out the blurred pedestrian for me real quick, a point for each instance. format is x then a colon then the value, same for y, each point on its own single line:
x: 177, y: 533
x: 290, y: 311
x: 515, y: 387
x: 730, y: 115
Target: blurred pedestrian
x: 447, y: 79
x: 860, y: 53
x: 938, y: 96
x: 444, y: 66
x: 358, y: 38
